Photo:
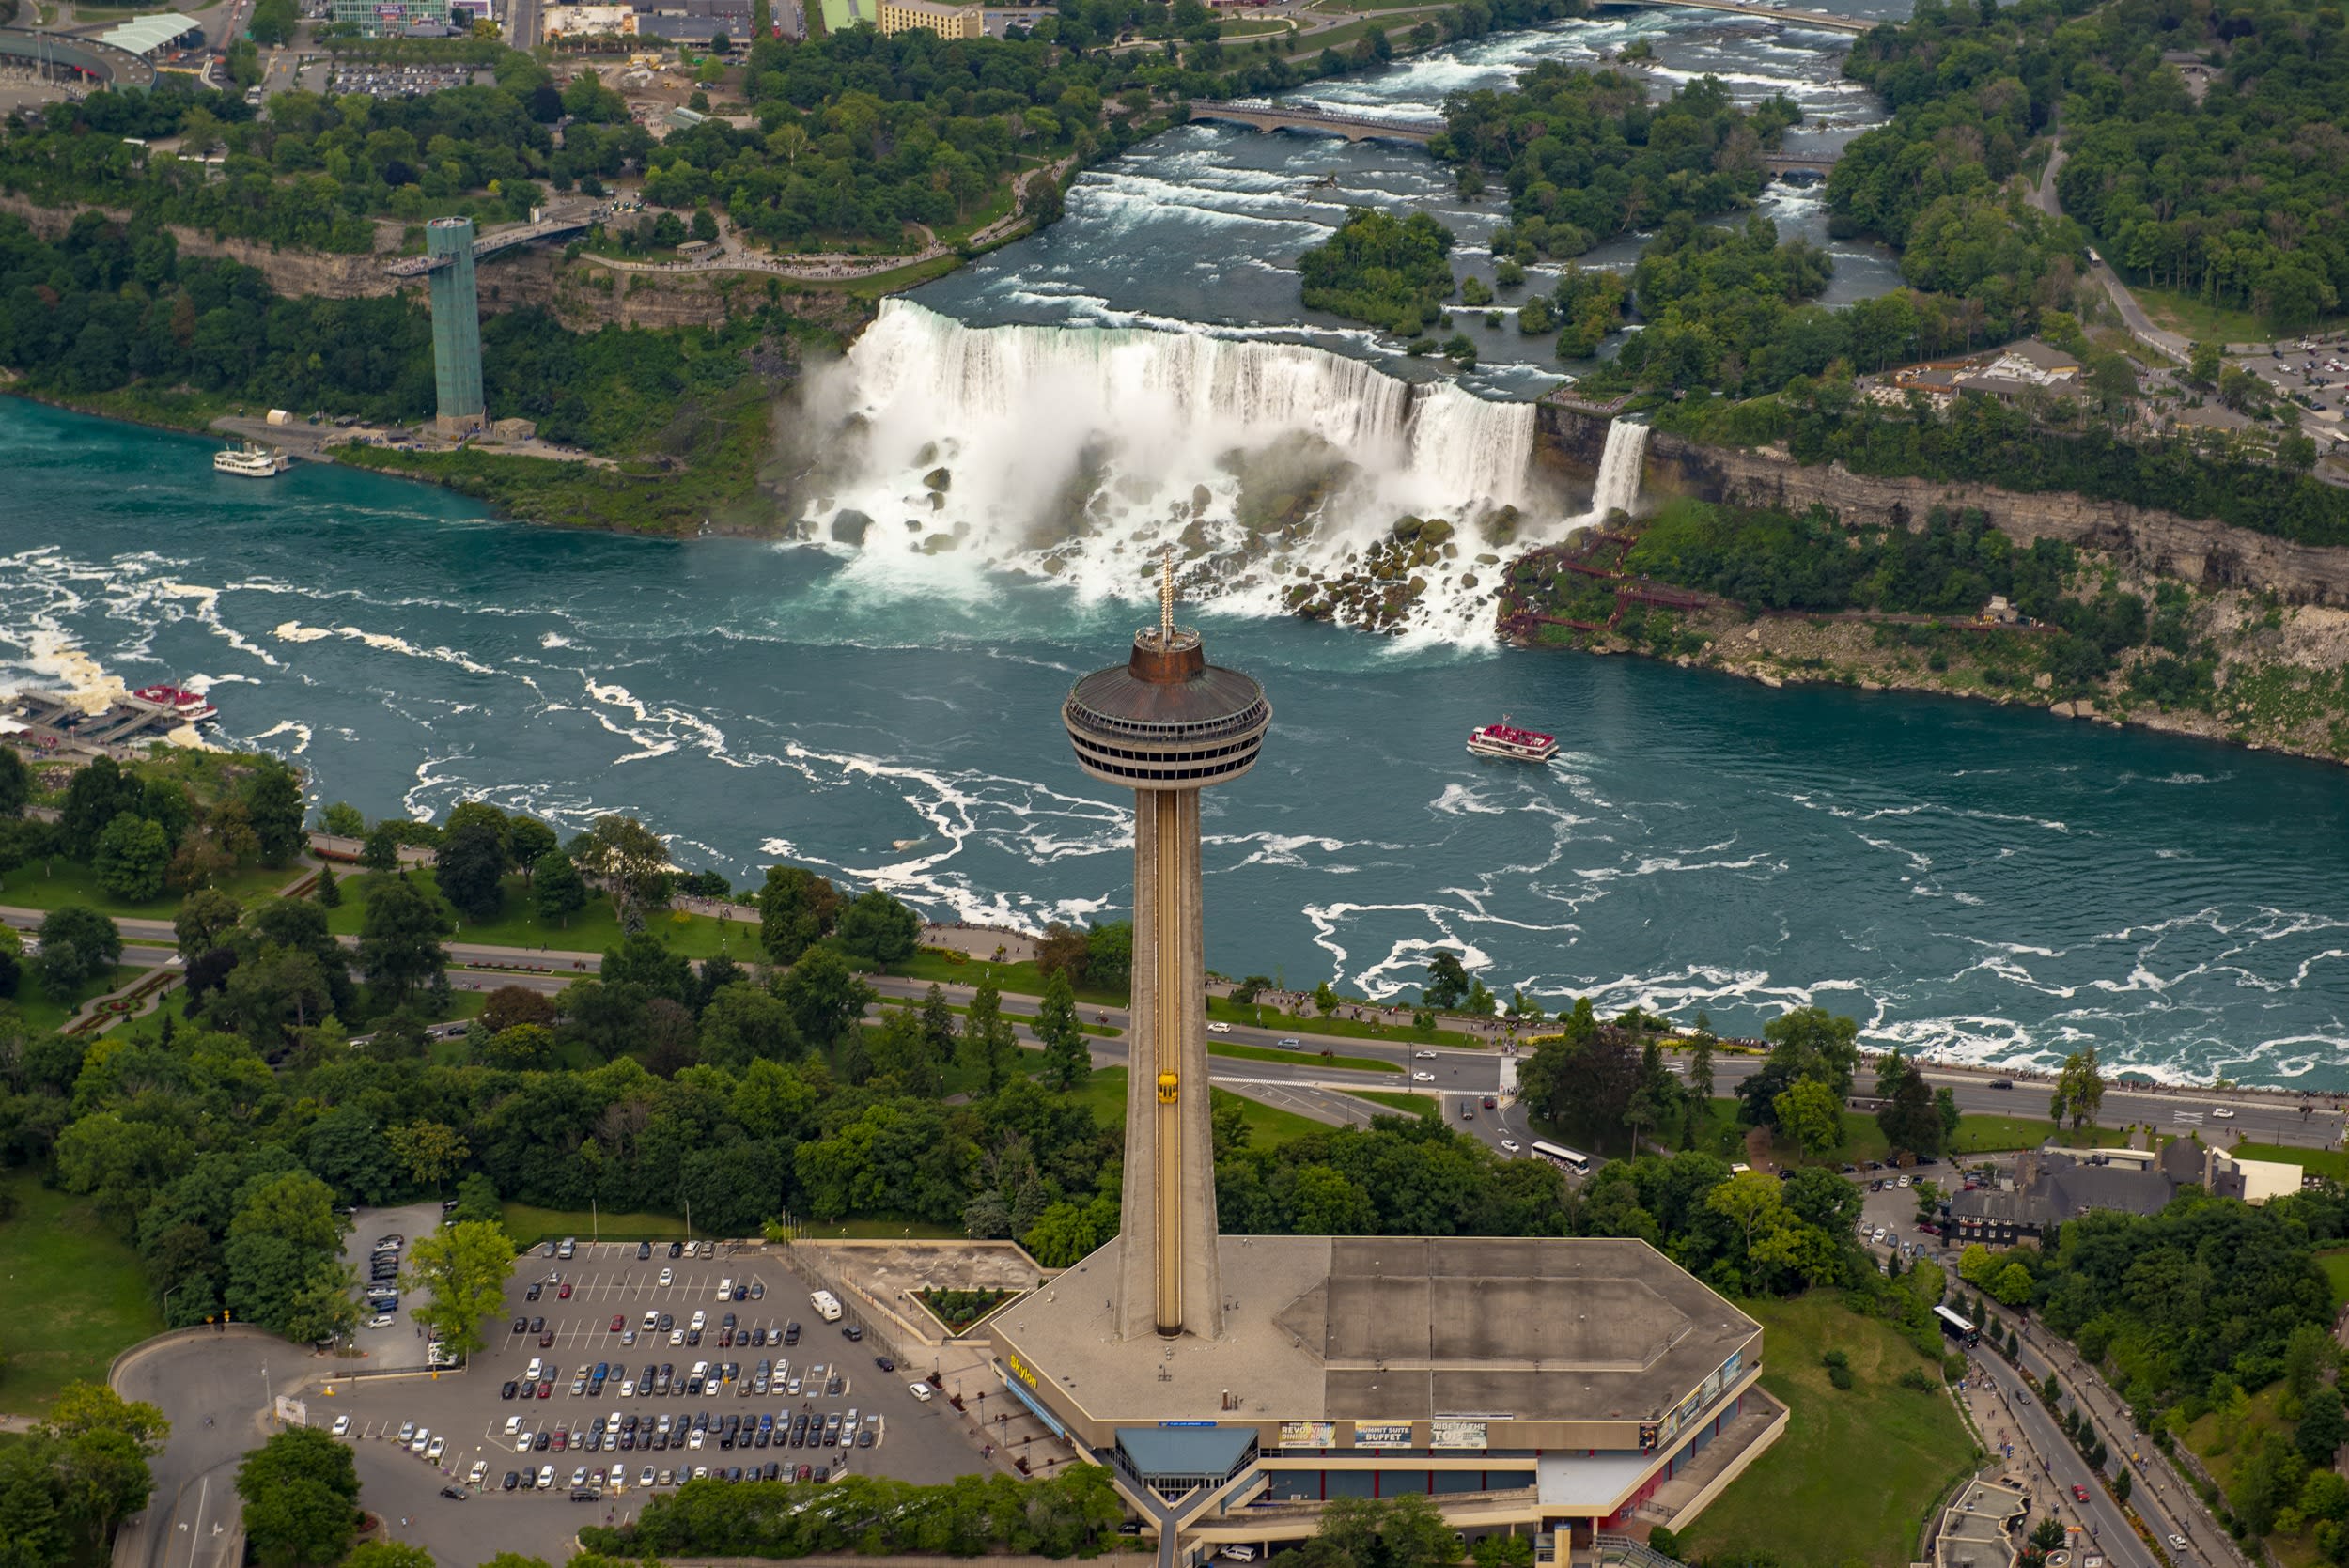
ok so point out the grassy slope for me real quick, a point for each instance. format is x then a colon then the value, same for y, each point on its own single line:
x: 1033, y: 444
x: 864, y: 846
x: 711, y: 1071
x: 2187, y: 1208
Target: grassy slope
x: 590, y: 930
x: 1806, y: 1496
x: 42, y: 1014
x: 1267, y: 1017
x: 2335, y: 1267
x: 76, y: 1297
x: 2324, y: 1162
x: 70, y: 882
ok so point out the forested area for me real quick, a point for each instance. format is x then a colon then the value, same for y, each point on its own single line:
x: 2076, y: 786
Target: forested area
x: 1586, y: 157
x: 1381, y: 269
x: 2227, y: 199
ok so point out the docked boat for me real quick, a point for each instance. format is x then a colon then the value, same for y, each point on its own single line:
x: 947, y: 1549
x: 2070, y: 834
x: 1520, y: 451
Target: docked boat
x: 252, y: 461
x: 1505, y: 740
x: 189, y: 708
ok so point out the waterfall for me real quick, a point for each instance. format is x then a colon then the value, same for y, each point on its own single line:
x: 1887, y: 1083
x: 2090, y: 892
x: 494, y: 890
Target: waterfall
x: 1619, y: 469
x: 1084, y: 452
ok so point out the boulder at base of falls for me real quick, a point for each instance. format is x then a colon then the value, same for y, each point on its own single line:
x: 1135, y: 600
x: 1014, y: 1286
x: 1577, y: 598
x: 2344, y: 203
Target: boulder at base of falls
x: 938, y: 479
x: 849, y: 527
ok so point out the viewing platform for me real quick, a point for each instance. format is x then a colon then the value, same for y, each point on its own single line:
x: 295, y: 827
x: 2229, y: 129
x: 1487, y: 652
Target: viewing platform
x: 552, y: 225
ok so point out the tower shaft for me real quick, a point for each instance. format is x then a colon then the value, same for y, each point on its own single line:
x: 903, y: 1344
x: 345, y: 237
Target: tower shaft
x: 1169, y: 1282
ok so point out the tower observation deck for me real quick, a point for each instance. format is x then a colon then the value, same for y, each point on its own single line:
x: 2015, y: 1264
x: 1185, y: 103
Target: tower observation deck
x: 1166, y: 725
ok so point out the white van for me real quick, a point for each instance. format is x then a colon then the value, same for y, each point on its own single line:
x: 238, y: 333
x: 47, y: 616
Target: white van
x: 536, y: 1370
x: 1239, y: 1554
x: 726, y: 1290
x: 827, y: 1305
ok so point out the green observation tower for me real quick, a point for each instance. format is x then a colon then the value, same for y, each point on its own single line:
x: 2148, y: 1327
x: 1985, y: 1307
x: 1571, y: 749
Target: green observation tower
x: 456, y: 326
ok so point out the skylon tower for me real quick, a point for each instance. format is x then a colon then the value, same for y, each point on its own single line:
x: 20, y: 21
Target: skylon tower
x: 1166, y: 725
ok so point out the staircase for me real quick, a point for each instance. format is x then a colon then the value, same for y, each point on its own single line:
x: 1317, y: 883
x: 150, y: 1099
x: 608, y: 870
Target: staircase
x: 1622, y: 1549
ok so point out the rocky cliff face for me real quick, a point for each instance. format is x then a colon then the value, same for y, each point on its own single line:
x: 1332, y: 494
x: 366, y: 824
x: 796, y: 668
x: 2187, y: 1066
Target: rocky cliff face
x: 1567, y: 441
x: 2197, y: 550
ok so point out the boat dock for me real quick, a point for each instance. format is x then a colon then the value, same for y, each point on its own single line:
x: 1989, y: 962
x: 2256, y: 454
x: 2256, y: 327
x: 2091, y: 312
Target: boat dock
x: 58, y: 722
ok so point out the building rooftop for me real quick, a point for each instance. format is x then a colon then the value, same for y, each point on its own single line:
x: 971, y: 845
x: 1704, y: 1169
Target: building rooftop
x: 1390, y: 1329
x: 1976, y: 1529
x: 142, y: 34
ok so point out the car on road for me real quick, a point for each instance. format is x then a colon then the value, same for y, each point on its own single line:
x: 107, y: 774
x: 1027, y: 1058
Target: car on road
x: 920, y: 1392
x: 1425, y: 1055
x: 2079, y: 1493
x: 667, y: 1278
x: 455, y: 1493
x: 2177, y: 1544
x: 884, y: 1363
x: 1491, y: 1103
x: 342, y: 1425
x: 1509, y: 1145
x: 854, y: 1331
x: 1422, y: 1077
x: 2223, y: 1113
x: 381, y: 1320
x: 1219, y: 1027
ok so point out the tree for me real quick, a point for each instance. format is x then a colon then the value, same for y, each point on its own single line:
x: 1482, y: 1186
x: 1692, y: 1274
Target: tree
x: 399, y: 942
x: 301, y: 1493
x: 879, y: 929
x: 557, y: 889
x: 2011, y: 1287
x: 987, y: 1039
x: 16, y: 782
x: 825, y: 996
x: 381, y: 852
x: 133, y: 856
x: 205, y: 919
x: 1816, y: 1046
x: 1068, y: 1061
x: 273, y: 803
x: 429, y: 1152
x: 1109, y: 955
x: 463, y: 1268
x: 796, y: 909
x: 94, y: 797
x: 330, y: 891
x: 1701, y: 1059
x: 628, y: 858
x: 102, y: 1445
x: 1909, y: 1118
x: 396, y: 1554
x: 527, y: 840
x: 2323, y: 1427
x: 2203, y: 365
x: 744, y: 1023
x: 471, y: 869
x: 1061, y: 950
x: 2079, y: 1092
x: 1447, y: 981
x: 343, y: 820
x: 1751, y: 1202
x: 1809, y: 1113
x: 77, y: 946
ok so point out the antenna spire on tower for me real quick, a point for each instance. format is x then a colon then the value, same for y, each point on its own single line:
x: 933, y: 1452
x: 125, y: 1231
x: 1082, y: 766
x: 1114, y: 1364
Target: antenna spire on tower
x: 1166, y: 601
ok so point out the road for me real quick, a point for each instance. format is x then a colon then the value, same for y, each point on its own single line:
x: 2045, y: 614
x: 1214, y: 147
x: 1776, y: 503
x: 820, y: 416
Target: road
x: 190, y: 1521
x: 522, y: 23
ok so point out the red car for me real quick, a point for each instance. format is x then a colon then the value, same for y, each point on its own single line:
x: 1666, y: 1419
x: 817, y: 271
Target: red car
x: 546, y: 1389
x: 565, y: 1294
x: 546, y: 1340
x: 620, y: 1321
x: 2080, y: 1493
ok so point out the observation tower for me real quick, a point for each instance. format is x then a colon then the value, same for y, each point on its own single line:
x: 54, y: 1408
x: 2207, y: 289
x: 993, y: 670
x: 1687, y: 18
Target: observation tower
x: 1166, y: 725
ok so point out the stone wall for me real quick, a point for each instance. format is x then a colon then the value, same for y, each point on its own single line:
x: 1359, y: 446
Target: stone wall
x: 2198, y: 550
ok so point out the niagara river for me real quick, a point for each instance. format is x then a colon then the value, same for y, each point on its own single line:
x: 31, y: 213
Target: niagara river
x: 1986, y: 884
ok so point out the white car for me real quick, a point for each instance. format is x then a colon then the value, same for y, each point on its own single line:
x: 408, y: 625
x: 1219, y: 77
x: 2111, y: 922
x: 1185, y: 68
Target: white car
x: 480, y: 1472
x: 407, y: 1430
x: 546, y: 1478
x: 1509, y: 1145
x: 579, y: 1476
x: 627, y: 1388
x: 1219, y: 1027
x: 667, y: 1277
x: 2223, y: 1113
x: 920, y: 1392
x: 1903, y: 1182
x: 1880, y: 1234
x: 694, y: 1440
x: 1422, y: 1077
x: 422, y: 1440
x: 644, y: 1477
x: 676, y: 1335
x: 433, y: 1449
x: 381, y: 1320
x: 701, y: 1320
x: 2177, y: 1544
x: 513, y: 1425
x: 1425, y: 1055
x: 342, y: 1426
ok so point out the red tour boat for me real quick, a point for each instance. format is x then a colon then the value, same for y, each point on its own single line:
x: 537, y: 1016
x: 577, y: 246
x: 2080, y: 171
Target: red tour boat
x: 170, y: 701
x: 1507, y: 741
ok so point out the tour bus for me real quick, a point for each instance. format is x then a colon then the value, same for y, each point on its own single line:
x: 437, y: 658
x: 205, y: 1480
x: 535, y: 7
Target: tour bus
x: 1559, y: 1155
x: 1958, y: 1329
x: 827, y: 1305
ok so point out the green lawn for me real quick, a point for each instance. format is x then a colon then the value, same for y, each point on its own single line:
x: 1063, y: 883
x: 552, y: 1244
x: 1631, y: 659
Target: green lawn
x: 1805, y: 1496
x: 2207, y: 323
x: 590, y: 930
x: 1400, y: 1099
x: 76, y: 1296
x: 1022, y: 979
x: 2322, y: 1162
x: 1983, y: 1134
x: 70, y: 882
x: 1268, y: 1127
x: 529, y: 1225
x: 2335, y: 1267
x: 1273, y: 1017
x: 42, y: 1014
x: 1099, y: 1030
x: 1274, y: 1053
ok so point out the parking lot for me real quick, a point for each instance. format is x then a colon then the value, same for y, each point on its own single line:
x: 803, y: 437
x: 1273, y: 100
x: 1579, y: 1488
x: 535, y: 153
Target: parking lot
x: 399, y: 81
x: 626, y: 1436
